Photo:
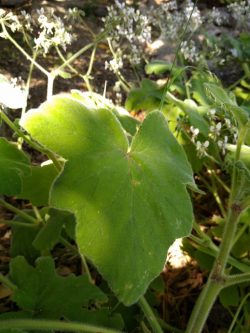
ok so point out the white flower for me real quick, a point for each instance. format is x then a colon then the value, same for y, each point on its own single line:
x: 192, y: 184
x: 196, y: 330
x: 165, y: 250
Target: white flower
x: 215, y: 130
x: 201, y: 148
x: 222, y: 144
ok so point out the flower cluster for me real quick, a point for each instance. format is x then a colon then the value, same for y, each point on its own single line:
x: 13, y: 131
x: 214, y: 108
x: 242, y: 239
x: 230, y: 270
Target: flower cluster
x: 190, y: 51
x: 221, y: 131
x: 47, y: 28
x: 127, y: 28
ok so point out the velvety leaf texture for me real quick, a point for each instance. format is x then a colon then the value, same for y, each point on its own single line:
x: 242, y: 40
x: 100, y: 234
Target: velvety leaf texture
x: 130, y: 201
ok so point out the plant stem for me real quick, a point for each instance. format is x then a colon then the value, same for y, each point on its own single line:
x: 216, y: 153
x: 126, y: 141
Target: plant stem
x: 19, y: 224
x: 17, y: 211
x: 82, y: 50
x: 236, y: 278
x: 217, y: 280
x: 150, y: 315
x: 23, y: 52
x: 75, y: 251
x: 27, y: 87
x: 238, y: 312
x: 4, y: 280
x: 45, y: 325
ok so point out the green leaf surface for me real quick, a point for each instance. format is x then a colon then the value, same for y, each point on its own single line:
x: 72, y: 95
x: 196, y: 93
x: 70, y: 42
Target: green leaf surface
x: 221, y: 98
x: 160, y: 67
x: 195, y: 118
x: 229, y: 296
x: 130, y: 201
x: 42, y: 293
x: 21, y: 240
x: 96, y: 101
x: 13, y: 165
x: 50, y: 234
x: 36, y: 186
x: 147, y: 97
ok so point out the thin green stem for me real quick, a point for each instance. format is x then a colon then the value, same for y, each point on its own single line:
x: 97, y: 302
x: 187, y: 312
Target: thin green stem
x: 217, y: 197
x: 12, y: 40
x: 240, y: 233
x: 238, y: 312
x: 212, y: 250
x: 19, y: 224
x: 169, y: 328
x: 4, y: 280
x: 235, y: 84
x: 17, y: 211
x: 236, y: 279
x: 213, y: 190
x: 150, y: 315
x: 27, y: 87
x: 91, y: 63
x: 45, y: 325
x: 226, y: 188
x: 120, y: 77
x: 98, y: 39
x: 175, y: 57
x: 75, y: 251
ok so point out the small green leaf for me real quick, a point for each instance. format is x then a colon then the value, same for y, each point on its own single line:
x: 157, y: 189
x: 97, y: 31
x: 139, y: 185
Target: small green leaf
x: 130, y: 201
x: 223, y: 99
x: 50, y: 234
x: 64, y: 75
x: 160, y: 67
x: 13, y: 165
x: 22, y: 238
x: 229, y: 296
x: 147, y: 97
x: 36, y: 186
x: 195, y: 118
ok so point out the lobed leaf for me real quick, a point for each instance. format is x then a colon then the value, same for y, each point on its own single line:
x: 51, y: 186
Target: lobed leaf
x: 42, y: 293
x: 130, y: 200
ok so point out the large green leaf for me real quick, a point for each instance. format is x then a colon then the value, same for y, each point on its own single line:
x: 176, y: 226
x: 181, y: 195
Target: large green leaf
x: 13, y: 165
x: 130, y: 201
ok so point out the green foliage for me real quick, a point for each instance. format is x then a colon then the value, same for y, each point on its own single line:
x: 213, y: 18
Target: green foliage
x: 13, y: 165
x: 41, y: 293
x: 42, y: 176
x: 109, y: 197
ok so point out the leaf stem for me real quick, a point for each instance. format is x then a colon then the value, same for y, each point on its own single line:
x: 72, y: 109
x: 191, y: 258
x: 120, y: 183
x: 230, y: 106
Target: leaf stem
x: 17, y: 211
x: 45, y: 325
x: 236, y: 278
x: 150, y: 315
x: 19, y: 224
x: 23, y: 51
x: 4, y: 280
x: 238, y: 312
